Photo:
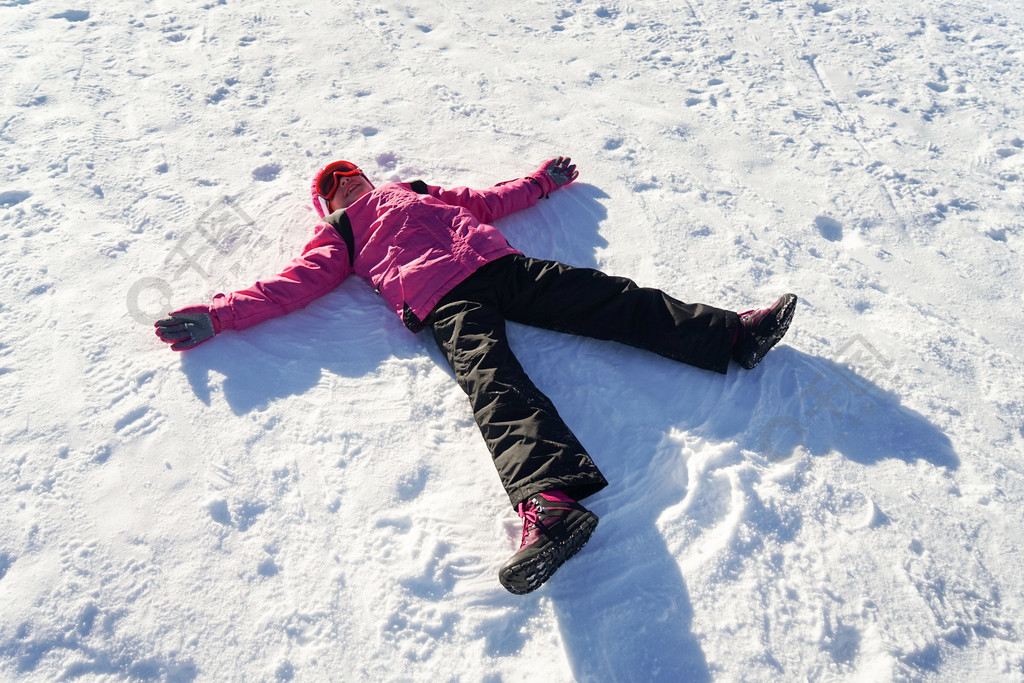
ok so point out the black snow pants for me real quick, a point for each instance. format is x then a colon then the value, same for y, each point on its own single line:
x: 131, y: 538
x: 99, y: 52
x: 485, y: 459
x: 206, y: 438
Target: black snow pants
x: 533, y: 449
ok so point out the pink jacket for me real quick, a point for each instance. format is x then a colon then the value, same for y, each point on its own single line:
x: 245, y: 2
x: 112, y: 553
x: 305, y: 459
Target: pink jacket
x: 414, y: 242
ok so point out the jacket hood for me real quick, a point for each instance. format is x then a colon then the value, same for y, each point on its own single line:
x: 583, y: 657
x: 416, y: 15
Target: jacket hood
x: 319, y: 203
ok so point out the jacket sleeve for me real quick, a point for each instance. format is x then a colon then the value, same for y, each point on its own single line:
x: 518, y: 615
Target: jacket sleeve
x: 323, y: 265
x: 494, y: 203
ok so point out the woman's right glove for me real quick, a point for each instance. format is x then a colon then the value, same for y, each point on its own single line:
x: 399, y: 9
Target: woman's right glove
x: 554, y: 174
x: 187, y: 327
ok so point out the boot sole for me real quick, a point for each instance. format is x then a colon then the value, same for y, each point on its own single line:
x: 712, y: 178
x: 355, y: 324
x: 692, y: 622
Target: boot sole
x: 530, y: 574
x: 783, y: 317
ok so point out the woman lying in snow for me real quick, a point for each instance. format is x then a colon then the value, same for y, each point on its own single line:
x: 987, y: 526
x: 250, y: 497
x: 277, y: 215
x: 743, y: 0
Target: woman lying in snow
x: 435, y: 258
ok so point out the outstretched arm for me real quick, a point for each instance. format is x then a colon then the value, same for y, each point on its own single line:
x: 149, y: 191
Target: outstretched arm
x: 323, y: 265
x: 512, y: 195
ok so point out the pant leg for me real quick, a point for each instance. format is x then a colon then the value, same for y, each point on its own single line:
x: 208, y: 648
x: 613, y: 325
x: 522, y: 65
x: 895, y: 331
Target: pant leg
x: 532, y: 448
x: 588, y: 302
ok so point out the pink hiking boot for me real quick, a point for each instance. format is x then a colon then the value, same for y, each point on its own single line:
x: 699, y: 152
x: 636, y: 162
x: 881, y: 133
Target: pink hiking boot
x: 555, y: 527
x: 762, y: 329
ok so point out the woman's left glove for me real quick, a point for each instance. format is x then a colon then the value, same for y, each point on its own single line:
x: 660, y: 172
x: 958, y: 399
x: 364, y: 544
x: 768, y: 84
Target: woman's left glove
x: 187, y: 327
x: 555, y: 173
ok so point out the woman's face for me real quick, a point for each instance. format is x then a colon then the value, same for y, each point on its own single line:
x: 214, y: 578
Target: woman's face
x: 349, y: 189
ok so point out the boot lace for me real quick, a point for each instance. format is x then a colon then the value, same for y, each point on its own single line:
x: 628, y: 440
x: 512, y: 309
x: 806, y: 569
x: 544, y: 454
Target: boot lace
x: 531, y: 518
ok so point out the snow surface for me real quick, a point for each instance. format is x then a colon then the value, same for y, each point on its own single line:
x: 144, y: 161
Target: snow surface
x: 310, y: 500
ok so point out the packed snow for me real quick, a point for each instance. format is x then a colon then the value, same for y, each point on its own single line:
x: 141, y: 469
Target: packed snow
x: 310, y: 499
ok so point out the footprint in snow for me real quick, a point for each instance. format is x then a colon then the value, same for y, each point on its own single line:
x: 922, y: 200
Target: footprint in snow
x: 72, y: 15
x: 12, y: 197
x: 266, y: 173
x: 829, y: 228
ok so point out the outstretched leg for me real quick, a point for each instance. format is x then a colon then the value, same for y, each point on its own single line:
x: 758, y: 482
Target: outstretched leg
x: 532, y: 448
x: 588, y: 302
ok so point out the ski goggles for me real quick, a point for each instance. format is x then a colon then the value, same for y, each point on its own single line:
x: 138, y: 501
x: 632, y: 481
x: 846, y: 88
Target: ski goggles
x: 327, y: 181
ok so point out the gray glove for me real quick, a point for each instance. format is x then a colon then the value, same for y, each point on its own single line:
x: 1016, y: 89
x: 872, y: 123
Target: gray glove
x: 562, y: 171
x: 554, y: 173
x: 186, y: 328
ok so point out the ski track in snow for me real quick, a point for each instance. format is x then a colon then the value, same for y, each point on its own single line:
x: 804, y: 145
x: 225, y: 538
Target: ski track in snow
x: 310, y: 499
